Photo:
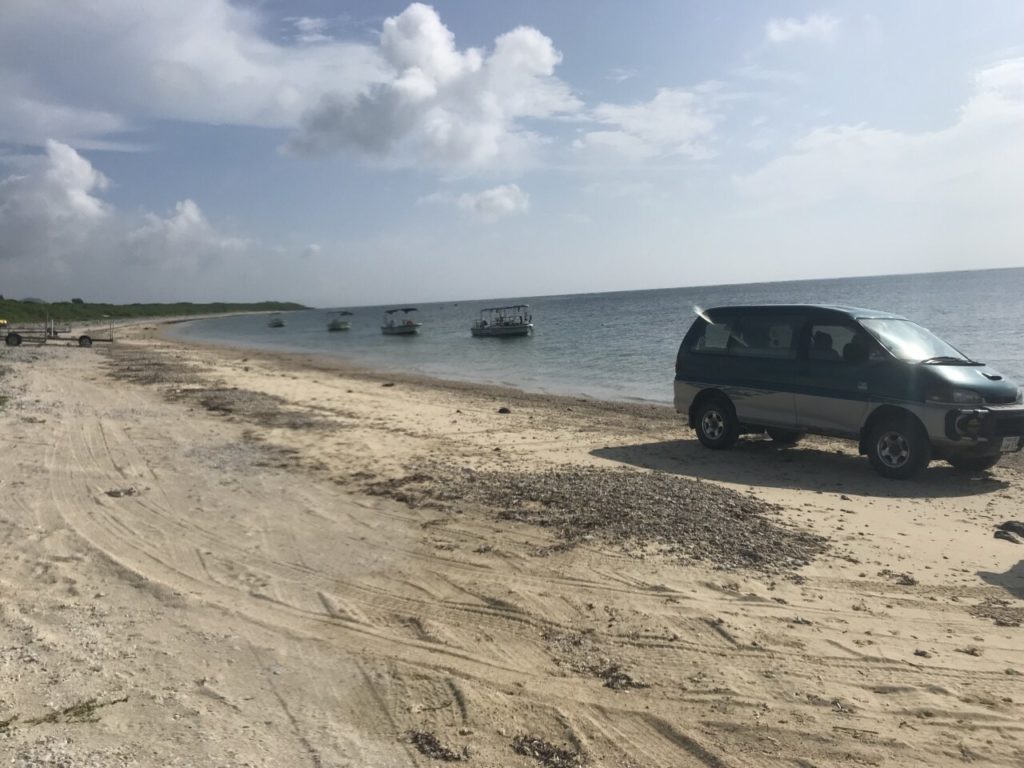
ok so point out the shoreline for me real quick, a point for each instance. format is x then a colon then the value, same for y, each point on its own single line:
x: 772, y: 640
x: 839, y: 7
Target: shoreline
x: 271, y: 557
x: 329, y: 362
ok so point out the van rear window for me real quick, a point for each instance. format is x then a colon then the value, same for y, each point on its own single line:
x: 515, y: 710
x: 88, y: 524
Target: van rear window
x: 766, y: 337
x: 750, y: 336
x: 713, y: 337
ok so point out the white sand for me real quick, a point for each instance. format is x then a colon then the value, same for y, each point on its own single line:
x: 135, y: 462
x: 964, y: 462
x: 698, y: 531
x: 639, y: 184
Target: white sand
x: 256, y: 608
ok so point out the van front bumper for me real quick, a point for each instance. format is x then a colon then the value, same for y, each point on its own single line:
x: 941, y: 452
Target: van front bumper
x: 989, y: 425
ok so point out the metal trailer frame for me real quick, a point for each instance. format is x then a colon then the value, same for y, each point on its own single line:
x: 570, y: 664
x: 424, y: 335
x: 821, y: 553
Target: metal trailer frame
x: 40, y: 333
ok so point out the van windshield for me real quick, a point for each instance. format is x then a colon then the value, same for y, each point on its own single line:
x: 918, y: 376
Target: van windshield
x: 909, y: 341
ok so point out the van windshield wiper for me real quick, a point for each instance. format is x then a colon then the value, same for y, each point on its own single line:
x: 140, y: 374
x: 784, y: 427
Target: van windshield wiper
x: 949, y: 360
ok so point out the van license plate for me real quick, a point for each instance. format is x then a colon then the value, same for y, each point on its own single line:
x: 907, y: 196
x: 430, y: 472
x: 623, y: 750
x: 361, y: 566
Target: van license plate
x: 1010, y: 444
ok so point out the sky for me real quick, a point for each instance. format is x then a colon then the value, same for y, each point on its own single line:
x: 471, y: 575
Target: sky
x: 347, y: 153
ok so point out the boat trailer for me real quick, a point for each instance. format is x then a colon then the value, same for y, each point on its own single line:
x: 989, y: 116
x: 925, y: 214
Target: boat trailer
x: 49, y: 331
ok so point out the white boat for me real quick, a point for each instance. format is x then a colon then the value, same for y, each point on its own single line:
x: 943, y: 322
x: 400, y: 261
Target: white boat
x: 396, y: 324
x: 276, y: 322
x: 513, y: 320
x: 337, y: 324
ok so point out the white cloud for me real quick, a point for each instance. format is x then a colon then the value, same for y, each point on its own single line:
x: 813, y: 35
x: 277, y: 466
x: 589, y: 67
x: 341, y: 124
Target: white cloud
x: 818, y: 27
x: 183, y: 239
x: 53, y: 222
x: 442, y: 107
x: 495, y: 203
x: 973, y: 163
x: 195, y: 60
x: 412, y: 99
x: 674, y: 123
x: 621, y: 74
x: 49, y: 205
x: 69, y: 182
x: 310, y: 30
x: 28, y: 118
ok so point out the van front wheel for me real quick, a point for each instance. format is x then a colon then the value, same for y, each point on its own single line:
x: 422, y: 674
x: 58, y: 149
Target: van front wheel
x: 898, y: 447
x: 716, y: 423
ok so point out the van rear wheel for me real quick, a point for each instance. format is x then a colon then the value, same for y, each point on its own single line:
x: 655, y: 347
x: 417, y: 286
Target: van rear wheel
x: 784, y: 436
x: 898, y: 447
x: 716, y: 424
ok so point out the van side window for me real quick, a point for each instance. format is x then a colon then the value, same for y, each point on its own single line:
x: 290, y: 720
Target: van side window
x: 714, y: 337
x: 839, y: 343
x: 766, y: 336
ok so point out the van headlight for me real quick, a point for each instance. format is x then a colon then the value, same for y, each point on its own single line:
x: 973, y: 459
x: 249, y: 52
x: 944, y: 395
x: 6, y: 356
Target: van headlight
x: 958, y: 396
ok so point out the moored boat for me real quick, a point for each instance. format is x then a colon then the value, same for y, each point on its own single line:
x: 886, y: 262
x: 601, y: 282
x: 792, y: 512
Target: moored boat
x: 276, y: 322
x: 396, y: 324
x: 513, y: 320
x: 337, y: 324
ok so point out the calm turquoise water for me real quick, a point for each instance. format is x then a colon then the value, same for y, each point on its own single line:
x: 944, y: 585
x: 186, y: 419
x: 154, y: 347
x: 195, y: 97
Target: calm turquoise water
x: 622, y: 345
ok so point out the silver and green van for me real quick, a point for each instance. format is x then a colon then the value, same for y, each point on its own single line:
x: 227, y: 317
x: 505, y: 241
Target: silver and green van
x: 903, y: 393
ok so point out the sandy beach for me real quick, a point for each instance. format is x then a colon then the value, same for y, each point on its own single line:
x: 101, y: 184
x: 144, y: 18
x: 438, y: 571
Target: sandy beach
x: 217, y: 557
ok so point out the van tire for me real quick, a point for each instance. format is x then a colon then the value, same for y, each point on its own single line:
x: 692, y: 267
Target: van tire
x: 784, y: 436
x: 974, y: 463
x: 898, y: 447
x: 13, y: 340
x: 716, y: 423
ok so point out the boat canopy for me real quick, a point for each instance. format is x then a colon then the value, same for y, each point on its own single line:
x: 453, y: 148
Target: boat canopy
x: 400, y: 309
x: 510, y: 307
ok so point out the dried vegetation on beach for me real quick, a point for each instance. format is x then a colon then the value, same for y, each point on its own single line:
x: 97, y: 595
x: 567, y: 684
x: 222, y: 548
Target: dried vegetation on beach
x: 641, y: 511
x: 185, y: 382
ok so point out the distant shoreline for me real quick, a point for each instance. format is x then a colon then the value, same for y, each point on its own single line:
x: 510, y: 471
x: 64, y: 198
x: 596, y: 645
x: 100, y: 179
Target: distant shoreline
x: 205, y: 309
x: 73, y: 311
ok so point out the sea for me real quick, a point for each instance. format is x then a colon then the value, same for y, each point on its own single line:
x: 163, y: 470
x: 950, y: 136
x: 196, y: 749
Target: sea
x: 622, y: 345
